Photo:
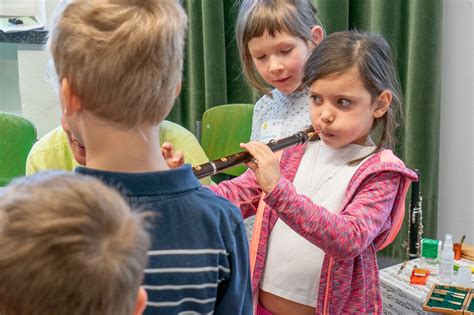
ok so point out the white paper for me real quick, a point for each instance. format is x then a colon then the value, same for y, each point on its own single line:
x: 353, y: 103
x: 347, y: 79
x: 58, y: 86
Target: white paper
x: 29, y: 23
x: 21, y: 8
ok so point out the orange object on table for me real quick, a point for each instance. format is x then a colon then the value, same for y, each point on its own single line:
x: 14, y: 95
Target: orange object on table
x: 419, y: 276
x: 457, y: 248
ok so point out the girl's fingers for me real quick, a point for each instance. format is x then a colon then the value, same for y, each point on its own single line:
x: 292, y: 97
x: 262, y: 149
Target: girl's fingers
x: 256, y: 149
x: 167, y: 145
x: 167, y: 150
x: 259, y: 151
x: 178, y: 157
x: 264, y: 164
x: 252, y: 165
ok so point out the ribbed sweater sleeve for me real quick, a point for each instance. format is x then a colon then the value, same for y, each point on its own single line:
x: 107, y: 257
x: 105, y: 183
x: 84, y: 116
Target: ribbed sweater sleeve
x: 242, y: 191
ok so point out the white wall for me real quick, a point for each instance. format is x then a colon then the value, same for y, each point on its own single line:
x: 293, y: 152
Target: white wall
x: 456, y: 201
x: 9, y: 91
x: 23, y: 86
x: 39, y: 101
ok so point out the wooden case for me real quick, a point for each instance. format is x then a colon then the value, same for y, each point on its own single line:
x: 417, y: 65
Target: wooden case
x: 448, y: 299
x: 469, y: 310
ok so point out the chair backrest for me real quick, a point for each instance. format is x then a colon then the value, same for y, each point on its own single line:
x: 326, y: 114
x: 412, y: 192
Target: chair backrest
x: 17, y: 136
x: 224, y: 127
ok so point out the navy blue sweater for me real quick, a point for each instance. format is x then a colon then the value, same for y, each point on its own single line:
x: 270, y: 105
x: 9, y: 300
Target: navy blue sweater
x: 198, y: 261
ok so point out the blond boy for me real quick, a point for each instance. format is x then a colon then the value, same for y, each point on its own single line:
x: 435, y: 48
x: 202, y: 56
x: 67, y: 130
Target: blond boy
x: 119, y: 65
x: 69, y: 245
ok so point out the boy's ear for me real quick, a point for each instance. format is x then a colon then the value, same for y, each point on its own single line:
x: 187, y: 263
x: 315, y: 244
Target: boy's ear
x: 317, y: 33
x: 142, y: 298
x: 178, y: 88
x: 70, y: 102
x: 382, y: 103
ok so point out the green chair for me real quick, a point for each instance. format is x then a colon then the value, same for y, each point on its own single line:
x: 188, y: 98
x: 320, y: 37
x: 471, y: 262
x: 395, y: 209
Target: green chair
x: 17, y: 136
x: 223, y: 128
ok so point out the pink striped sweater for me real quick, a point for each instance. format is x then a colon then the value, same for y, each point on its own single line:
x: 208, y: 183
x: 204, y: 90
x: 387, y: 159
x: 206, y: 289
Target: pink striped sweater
x: 369, y: 219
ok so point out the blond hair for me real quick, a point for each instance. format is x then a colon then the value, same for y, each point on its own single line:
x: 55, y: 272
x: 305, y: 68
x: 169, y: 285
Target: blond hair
x: 68, y: 245
x: 123, y: 58
x: 296, y: 17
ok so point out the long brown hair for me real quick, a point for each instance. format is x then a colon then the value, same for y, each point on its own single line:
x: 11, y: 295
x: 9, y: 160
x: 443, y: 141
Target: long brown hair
x: 372, y: 56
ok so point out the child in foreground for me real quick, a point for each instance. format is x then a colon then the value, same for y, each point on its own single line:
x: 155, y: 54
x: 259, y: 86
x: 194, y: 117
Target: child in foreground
x: 333, y: 203
x: 69, y: 245
x: 119, y: 64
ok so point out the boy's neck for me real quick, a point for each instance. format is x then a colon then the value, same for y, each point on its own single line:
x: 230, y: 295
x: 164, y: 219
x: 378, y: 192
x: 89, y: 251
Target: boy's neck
x: 123, y: 150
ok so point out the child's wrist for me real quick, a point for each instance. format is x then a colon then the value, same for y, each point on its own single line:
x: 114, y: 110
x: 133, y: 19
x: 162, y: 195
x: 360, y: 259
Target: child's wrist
x: 269, y: 188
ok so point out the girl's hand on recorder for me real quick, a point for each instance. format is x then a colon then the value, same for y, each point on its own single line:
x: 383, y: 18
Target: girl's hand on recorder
x: 173, y: 159
x: 265, y: 164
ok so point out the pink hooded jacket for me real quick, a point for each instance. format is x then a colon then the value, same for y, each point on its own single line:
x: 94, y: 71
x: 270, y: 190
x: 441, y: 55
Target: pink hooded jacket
x: 369, y: 219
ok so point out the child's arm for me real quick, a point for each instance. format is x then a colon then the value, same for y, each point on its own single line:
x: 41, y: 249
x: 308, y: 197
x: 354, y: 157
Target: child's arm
x: 341, y: 235
x: 243, y: 191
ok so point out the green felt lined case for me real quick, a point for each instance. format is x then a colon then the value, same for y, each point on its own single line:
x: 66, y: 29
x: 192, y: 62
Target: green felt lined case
x: 449, y: 300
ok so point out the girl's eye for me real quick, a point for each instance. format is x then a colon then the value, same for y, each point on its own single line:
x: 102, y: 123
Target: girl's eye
x: 316, y: 100
x: 286, y: 51
x: 344, y: 102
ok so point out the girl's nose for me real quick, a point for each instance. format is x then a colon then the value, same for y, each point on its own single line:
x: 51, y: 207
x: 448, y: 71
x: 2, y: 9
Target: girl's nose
x: 327, y: 116
x: 276, y: 65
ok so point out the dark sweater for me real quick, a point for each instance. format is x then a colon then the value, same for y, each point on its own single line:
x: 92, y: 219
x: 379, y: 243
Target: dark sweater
x: 198, y: 261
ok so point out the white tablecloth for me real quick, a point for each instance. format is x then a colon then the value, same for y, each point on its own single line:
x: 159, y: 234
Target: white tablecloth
x: 401, y: 297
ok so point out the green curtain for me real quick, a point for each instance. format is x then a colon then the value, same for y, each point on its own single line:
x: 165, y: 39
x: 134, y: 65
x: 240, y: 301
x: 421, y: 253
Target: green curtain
x: 212, y: 75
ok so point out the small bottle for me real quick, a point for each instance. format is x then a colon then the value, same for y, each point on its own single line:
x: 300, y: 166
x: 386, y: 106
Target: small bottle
x: 446, y: 264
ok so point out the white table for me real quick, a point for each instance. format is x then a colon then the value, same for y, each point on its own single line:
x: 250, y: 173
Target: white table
x: 398, y: 295
x: 401, y: 297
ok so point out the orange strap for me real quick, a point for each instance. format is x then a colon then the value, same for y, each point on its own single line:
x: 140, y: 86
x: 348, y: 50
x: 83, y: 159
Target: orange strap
x: 257, y: 227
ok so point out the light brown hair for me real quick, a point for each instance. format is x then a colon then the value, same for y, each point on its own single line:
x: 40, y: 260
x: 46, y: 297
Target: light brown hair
x: 296, y: 17
x: 123, y: 58
x: 372, y: 56
x: 69, y: 245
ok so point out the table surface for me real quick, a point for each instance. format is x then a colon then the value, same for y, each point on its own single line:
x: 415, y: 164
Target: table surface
x: 38, y: 37
x: 401, y: 297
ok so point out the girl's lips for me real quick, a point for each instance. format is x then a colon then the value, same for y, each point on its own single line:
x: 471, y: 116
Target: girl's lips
x: 79, y: 145
x: 324, y: 133
x: 282, y: 80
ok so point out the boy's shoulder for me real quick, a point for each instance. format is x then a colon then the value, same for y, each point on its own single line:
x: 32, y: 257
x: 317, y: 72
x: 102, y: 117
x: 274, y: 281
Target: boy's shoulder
x: 219, y: 206
x: 175, y: 188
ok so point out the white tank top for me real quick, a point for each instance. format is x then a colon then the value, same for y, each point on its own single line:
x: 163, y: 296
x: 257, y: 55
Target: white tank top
x: 293, y: 264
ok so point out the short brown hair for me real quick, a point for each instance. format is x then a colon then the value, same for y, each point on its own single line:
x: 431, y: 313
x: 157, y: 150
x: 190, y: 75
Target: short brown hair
x: 123, y: 58
x: 69, y: 245
x: 296, y: 17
